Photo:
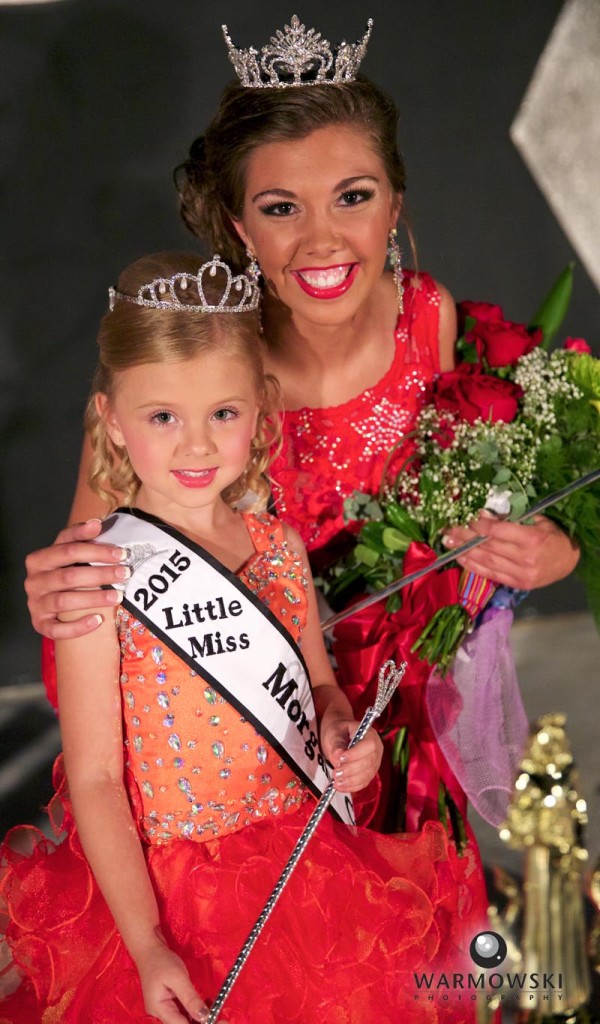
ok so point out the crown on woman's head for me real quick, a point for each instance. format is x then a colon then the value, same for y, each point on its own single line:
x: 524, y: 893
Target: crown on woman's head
x: 162, y: 292
x: 296, y: 57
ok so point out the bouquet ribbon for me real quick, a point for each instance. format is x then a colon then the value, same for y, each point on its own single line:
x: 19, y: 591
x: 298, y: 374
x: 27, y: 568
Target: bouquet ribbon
x: 373, y: 636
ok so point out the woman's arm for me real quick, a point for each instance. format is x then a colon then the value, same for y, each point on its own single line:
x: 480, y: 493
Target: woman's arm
x: 58, y: 579
x: 447, y: 329
x: 353, y: 769
x: 90, y: 717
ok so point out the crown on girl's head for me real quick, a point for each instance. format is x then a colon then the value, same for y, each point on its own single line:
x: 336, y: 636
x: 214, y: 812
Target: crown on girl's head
x: 296, y: 57
x: 162, y: 292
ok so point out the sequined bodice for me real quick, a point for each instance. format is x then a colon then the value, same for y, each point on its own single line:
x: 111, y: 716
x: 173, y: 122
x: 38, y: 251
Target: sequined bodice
x: 328, y: 453
x: 196, y: 768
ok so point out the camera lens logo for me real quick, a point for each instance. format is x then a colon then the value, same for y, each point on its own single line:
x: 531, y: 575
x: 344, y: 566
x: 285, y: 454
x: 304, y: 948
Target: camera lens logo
x: 488, y: 949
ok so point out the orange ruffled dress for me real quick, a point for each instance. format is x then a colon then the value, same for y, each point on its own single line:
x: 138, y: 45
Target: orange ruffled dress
x: 218, y: 813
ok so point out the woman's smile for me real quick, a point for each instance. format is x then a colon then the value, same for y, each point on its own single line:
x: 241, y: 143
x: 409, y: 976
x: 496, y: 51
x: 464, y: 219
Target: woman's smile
x: 326, y: 282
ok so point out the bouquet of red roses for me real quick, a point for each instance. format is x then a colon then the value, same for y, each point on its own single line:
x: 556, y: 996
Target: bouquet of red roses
x: 512, y: 423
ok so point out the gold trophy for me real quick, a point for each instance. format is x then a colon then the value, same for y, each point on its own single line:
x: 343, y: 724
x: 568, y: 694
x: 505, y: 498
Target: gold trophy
x: 546, y: 818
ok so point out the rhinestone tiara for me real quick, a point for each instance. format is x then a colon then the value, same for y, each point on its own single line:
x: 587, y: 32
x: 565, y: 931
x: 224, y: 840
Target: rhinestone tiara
x: 162, y: 292
x: 296, y: 57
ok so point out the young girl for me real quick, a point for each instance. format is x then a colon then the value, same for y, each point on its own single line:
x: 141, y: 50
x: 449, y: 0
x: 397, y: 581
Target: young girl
x: 189, y: 730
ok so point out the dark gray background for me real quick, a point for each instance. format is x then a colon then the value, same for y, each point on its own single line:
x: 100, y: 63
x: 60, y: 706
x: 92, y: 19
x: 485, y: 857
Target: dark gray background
x: 99, y: 99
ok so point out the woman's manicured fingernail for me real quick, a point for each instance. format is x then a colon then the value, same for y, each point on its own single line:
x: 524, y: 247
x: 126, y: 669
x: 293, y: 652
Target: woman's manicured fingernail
x: 339, y: 774
x: 343, y: 759
x: 448, y: 542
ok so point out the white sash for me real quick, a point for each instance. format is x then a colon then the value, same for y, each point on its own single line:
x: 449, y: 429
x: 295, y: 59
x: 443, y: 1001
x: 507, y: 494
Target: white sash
x: 221, y: 630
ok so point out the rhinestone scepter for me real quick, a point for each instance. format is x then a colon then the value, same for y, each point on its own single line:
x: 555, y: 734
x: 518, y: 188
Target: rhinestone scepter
x: 296, y: 56
x: 388, y: 680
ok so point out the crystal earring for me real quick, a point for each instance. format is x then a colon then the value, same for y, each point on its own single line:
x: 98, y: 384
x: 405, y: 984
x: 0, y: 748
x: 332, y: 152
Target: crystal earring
x: 395, y: 259
x: 254, y: 273
x: 253, y: 268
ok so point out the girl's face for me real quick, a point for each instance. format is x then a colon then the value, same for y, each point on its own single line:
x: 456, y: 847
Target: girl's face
x: 317, y: 213
x: 187, y: 428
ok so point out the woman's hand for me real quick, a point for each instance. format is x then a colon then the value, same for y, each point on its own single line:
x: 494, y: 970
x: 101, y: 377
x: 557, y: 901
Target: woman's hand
x: 57, y: 583
x: 352, y: 769
x: 516, y: 555
x: 166, y: 986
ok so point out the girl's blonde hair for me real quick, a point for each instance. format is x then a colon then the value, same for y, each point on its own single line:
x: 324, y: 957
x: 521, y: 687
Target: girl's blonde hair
x: 131, y: 335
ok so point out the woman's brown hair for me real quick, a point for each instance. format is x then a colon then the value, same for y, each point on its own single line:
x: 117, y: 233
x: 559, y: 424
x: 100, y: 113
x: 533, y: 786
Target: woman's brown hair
x: 131, y: 335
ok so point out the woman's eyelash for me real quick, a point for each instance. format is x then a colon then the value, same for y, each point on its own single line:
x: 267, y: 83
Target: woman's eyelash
x: 276, y: 209
x: 360, y: 193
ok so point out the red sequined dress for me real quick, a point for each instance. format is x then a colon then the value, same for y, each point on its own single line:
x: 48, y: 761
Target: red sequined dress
x: 328, y: 453
x: 218, y: 814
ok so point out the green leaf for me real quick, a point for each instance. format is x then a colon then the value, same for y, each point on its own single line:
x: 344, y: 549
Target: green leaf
x: 518, y: 505
x: 371, y: 535
x: 552, y: 311
x: 394, y: 540
x: 584, y: 370
x: 400, y: 518
x: 502, y: 475
x: 365, y: 555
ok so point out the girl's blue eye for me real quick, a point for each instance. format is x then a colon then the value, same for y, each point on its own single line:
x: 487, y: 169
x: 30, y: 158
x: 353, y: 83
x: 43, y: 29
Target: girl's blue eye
x: 162, y: 417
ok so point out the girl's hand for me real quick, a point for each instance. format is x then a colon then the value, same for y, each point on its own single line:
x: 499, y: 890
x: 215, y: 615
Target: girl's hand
x: 352, y: 769
x: 166, y: 986
x: 516, y: 555
x: 54, y: 578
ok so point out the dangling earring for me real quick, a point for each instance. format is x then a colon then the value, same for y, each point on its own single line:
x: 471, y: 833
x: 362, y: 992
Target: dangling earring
x: 253, y: 268
x: 254, y: 273
x: 395, y: 258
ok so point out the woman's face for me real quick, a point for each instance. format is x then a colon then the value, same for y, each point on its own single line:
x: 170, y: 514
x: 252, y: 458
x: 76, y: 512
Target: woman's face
x: 317, y: 214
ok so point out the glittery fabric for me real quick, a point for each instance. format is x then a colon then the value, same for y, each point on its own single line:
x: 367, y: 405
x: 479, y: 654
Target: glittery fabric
x: 360, y: 914
x: 201, y: 768
x: 328, y: 453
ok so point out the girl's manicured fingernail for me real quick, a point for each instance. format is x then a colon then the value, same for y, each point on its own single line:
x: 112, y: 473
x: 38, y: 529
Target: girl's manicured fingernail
x: 95, y: 620
x: 94, y: 519
x: 115, y: 596
x: 123, y: 572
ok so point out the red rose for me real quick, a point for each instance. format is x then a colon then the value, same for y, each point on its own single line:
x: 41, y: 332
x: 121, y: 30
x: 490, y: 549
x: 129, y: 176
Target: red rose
x: 484, y: 312
x: 501, y: 342
x: 578, y: 345
x: 475, y: 395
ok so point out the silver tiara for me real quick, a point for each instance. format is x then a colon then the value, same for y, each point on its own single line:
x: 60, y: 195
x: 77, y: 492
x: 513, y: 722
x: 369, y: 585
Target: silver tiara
x: 162, y: 292
x: 296, y: 57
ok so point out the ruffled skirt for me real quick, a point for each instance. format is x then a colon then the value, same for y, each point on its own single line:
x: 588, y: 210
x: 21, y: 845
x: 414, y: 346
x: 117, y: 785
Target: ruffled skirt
x: 359, y: 917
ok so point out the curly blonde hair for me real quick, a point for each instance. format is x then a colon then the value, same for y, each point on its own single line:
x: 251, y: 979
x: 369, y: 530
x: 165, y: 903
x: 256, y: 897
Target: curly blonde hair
x: 131, y: 335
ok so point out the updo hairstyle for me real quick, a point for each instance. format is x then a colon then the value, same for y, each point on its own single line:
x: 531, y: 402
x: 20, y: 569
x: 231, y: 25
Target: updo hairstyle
x: 211, y: 182
x: 131, y: 335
